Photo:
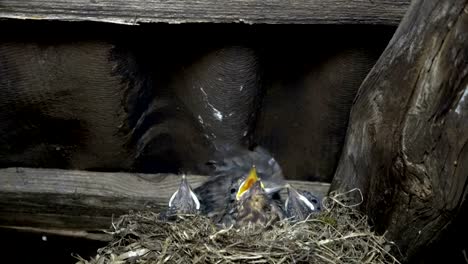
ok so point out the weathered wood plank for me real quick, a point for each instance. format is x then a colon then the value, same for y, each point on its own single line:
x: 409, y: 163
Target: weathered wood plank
x: 81, y: 200
x: 407, y: 143
x: 98, y: 236
x: 388, y: 12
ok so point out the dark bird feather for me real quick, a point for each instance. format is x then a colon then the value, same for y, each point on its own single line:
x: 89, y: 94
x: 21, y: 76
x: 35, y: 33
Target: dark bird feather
x: 254, y: 207
x: 218, y: 194
x: 183, y: 201
x: 300, y: 204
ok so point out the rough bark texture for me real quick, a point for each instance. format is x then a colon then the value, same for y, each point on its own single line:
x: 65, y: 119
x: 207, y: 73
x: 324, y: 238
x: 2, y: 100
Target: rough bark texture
x: 407, y: 143
x: 387, y: 12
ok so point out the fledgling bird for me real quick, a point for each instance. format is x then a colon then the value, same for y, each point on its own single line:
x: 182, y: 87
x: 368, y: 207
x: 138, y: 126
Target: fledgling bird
x: 219, y: 193
x: 300, y: 204
x: 184, y: 200
x: 252, y: 205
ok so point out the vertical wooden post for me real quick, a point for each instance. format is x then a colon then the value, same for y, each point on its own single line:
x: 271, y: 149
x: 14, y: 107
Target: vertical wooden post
x: 407, y: 142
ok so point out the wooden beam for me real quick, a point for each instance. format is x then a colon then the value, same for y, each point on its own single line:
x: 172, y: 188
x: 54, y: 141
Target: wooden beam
x: 98, y: 236
x: 387, y: 12
x: 87, y: 201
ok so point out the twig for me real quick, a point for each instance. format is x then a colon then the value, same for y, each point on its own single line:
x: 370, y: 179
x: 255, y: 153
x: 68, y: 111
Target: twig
x: 352, y: 235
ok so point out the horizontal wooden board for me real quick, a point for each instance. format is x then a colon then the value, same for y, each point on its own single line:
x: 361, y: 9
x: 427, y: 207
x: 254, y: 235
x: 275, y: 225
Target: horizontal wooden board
x: 87, y: 201
x: 387, y: 12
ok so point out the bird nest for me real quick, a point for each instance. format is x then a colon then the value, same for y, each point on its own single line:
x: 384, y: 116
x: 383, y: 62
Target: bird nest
x: 338, y: 234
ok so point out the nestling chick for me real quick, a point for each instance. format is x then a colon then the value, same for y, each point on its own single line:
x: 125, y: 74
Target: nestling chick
x: 184, y: 200
x: 252, y: 205
x: 255, y: 207
x: 300, y: 204
x: 219, y: 193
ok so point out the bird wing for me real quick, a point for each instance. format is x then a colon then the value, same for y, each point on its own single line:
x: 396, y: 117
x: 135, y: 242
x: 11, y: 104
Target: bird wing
x: 213, y: 194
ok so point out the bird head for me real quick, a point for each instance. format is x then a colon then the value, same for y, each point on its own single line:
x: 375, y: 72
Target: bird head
x: 253, y: 205
x: 233, y: 175
x: 251, y: 180
x: 256, y: 196
x: 300, y: 204
x: 252, y: 193
x: 184, y: 199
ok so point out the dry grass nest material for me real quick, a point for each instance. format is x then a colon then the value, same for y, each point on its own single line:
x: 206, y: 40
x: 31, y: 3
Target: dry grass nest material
x: 338, y: 234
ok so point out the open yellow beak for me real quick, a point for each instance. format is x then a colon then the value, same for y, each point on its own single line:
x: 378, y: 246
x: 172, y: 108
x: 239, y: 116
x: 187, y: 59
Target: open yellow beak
x: 248, y: 182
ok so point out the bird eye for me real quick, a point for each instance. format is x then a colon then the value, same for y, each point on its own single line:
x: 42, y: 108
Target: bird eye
x: 233, y: 190
x: 314, y: 201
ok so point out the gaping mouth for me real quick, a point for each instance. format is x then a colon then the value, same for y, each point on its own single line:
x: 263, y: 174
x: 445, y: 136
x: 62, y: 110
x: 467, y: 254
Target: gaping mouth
x: 248, y: 183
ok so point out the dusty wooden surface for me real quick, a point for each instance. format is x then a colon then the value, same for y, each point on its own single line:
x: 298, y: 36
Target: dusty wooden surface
x: 66, y: 103
x: 407, y: 144
x: 80, y: 200
x: 387, y: 12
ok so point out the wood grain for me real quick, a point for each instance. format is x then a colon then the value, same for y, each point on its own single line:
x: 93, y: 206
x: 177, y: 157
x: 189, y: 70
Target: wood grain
x: 386, y: 12
x: 83, y: 200
x: 407, y: 143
